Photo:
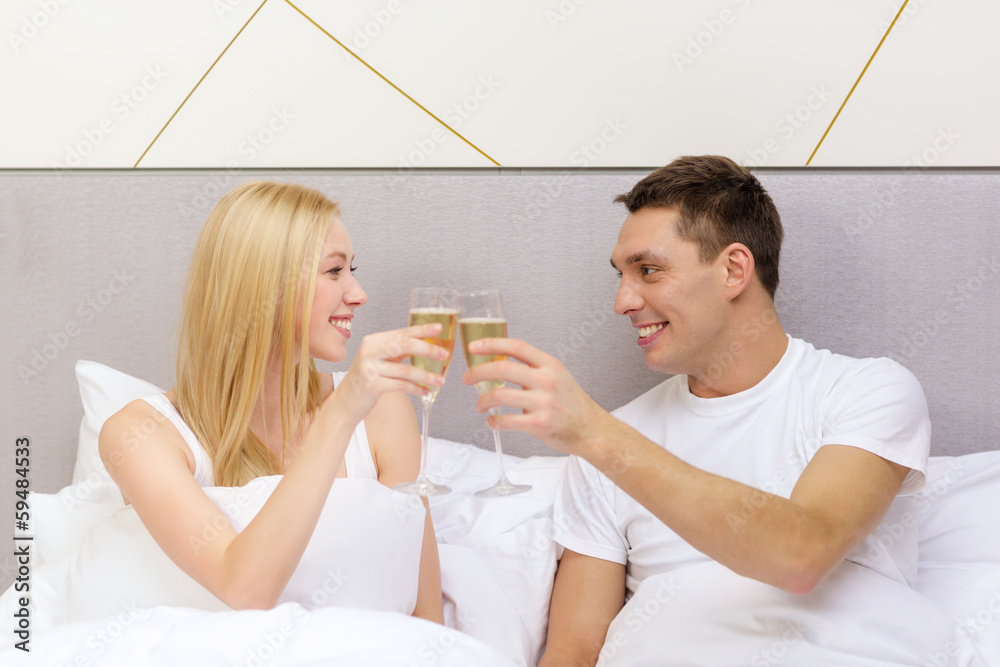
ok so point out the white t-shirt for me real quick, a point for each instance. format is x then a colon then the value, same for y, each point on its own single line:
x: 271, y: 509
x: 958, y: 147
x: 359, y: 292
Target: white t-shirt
x: 357, y: 457
x: 762, y: 437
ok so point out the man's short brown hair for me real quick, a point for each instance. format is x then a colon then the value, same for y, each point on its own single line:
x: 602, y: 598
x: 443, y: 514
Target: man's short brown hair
x: 719, y: 202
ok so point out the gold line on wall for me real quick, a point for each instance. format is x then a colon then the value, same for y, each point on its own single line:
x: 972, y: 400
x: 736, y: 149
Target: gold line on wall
x: 397, y: 88
x: 857, y: 82
x: 197, y: 84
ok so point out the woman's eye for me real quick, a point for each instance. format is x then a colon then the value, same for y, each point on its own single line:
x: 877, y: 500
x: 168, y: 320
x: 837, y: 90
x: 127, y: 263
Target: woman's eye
x: 335, y: 271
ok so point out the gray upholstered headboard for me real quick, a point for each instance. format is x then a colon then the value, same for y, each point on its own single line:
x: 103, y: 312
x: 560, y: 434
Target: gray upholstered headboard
x: 876, y: 262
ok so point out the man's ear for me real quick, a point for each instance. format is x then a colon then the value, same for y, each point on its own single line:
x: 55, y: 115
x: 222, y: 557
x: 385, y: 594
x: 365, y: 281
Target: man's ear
x: 737, y: 262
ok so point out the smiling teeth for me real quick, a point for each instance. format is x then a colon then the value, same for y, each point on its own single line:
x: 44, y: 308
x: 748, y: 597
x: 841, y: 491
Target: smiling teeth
x: 343, y: 324
x: 645, y: 332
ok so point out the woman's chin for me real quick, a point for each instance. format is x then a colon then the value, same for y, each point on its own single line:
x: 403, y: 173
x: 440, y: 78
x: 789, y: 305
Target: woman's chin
x: 329, y: 354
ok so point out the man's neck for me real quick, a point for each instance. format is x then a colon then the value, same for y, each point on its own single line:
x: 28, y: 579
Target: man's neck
x: 752, y: 351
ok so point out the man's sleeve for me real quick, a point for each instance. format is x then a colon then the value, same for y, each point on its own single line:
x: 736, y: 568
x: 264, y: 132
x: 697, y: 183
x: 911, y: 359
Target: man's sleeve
x: 882, y: 409
x: 584, y: 513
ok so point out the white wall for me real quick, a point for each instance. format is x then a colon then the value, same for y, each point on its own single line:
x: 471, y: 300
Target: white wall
x: 526, y: 83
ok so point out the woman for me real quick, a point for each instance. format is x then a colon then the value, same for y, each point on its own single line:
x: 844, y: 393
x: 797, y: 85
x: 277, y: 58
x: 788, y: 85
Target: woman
x: 270, y: 287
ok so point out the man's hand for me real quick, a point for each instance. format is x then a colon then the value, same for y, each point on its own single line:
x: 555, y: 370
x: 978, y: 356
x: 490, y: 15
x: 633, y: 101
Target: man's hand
x: 555, y: 409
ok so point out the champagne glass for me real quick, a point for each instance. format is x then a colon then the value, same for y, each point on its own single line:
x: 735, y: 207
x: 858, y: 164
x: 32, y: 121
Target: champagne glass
x: 427, y: 306
x: 481, y: 316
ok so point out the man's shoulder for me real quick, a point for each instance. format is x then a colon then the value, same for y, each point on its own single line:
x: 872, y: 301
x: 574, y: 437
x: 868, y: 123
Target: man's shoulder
x: 819, y: 364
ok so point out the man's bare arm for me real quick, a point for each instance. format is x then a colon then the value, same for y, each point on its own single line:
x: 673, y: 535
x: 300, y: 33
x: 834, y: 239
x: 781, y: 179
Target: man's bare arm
x: 791, y: 543
x: 588, y: 594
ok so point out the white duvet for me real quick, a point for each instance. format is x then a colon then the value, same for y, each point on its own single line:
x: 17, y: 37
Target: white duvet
x: 287, y: 635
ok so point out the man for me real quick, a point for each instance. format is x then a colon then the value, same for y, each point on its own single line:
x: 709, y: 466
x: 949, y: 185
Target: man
x: 761, y: 453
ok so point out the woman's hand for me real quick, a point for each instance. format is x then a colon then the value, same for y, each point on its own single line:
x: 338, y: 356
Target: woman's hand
x: 378, y: 368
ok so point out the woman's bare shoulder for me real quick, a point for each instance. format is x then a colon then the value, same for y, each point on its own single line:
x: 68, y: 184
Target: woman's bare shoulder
x: 136, y: 427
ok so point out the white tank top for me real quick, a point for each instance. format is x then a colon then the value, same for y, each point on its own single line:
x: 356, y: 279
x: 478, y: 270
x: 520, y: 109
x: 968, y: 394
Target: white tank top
x: 357, y: 457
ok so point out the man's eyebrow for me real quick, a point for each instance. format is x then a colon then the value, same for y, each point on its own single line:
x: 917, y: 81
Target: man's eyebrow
x: 641, y: 256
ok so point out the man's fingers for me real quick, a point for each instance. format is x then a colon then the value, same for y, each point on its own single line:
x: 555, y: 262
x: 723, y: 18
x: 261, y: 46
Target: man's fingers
x: 516, y: 399
x: 509, y: 371
x: 524, y: 423
x: 511, y: 347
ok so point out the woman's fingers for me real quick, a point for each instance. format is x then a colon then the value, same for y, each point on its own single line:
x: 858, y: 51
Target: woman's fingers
x: 404, y: 342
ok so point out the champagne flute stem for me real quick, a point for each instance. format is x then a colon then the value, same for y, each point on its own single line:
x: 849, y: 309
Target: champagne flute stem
x: 496, y: 444
x: 426, y: 402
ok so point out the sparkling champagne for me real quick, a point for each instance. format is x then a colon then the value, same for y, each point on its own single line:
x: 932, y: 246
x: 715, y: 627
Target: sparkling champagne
x: 447, y: 318
x: 474, y: 328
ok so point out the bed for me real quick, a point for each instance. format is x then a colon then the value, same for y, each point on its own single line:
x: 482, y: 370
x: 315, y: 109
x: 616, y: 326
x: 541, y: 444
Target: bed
x: 876, y: 263
x: 103, y: 593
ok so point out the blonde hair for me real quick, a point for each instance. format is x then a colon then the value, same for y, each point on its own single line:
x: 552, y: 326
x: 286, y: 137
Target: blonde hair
x: 253, y: 270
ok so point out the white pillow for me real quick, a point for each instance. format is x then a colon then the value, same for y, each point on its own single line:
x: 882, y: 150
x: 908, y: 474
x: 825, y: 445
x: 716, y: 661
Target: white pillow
x: 970, y: 594
x: 63, y: 519
x: 103, y: 391
x: 498, y: 558
x: 958, y: 509
x: 364, y: 553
